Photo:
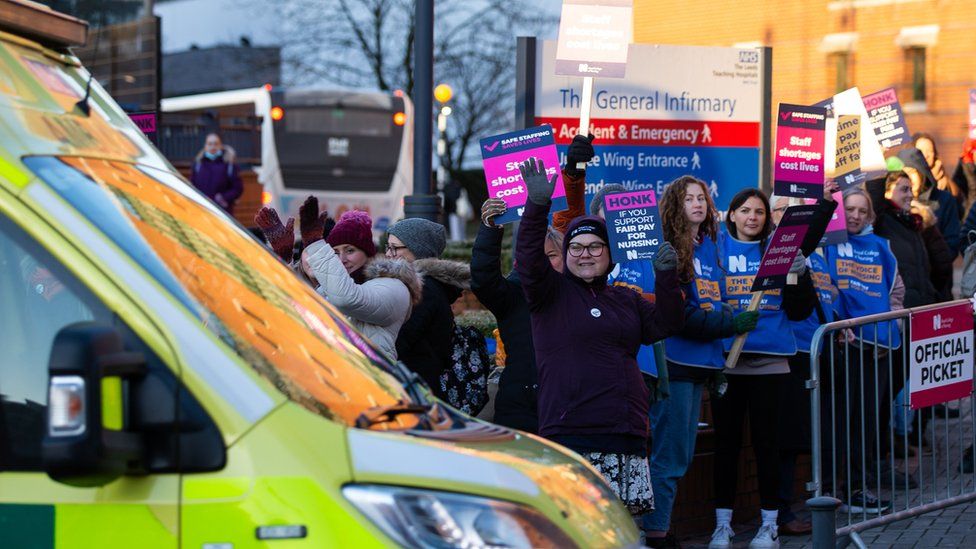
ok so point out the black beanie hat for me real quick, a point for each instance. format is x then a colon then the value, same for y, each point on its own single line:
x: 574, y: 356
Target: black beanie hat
x: 586, y: 225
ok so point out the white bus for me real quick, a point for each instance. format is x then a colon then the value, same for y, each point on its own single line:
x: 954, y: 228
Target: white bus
x: 351, y: 149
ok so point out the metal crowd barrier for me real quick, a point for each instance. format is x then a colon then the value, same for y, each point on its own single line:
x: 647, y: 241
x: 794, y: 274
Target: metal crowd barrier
x: 852, y: 382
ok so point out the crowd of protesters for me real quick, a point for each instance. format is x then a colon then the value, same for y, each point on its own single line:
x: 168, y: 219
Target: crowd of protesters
x: 613, y: 360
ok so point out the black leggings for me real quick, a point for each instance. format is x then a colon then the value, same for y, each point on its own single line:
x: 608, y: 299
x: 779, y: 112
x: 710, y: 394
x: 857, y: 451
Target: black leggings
x: 758, y: 396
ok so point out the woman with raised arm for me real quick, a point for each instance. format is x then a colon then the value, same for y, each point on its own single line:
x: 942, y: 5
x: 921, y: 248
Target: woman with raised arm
x: 377, y: 294
x: 586, y: 336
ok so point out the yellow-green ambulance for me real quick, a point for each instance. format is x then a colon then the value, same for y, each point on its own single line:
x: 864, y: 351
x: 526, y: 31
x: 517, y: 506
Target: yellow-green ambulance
x: 166, y: 382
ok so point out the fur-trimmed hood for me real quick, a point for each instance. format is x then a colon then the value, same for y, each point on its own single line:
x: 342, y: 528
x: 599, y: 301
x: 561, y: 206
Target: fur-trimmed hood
x: 400, y: 270
x: 229, y: 155
x: 449, y: 273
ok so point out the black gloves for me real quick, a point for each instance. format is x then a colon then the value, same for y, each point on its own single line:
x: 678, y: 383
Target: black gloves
x: 537, y: 184
x: 580, y: 152
x: 666, y: 258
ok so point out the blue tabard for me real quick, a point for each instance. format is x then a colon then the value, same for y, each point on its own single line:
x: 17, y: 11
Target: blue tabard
x: 704, y: 292
x: 864, y: 271
x: 773, y: 334
x: 803, y: 330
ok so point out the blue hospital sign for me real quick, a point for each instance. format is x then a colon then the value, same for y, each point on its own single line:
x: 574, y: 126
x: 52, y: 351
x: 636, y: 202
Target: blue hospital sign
x: 681, y: 110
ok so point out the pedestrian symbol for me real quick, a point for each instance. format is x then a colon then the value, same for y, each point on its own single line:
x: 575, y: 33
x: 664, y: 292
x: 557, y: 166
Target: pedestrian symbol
x: 695, y: 161
x: 706, y: 134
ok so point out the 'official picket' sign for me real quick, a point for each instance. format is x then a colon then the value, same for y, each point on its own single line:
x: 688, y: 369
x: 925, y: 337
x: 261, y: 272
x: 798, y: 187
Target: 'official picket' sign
x: 941, y: 355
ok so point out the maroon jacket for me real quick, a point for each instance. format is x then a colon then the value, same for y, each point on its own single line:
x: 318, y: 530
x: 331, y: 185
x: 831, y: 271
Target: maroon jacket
x: 586, y: 338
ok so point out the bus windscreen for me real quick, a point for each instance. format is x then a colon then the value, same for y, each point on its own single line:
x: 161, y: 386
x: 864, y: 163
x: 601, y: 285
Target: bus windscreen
x: 338, y: 148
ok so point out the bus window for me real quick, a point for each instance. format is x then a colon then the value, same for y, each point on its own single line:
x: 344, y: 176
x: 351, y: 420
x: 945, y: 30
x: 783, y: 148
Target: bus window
x: 338, y: 143
x: 335, y: 121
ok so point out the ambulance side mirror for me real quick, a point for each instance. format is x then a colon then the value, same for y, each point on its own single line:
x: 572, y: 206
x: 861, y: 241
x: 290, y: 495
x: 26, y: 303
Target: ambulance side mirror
x: 87, y: 442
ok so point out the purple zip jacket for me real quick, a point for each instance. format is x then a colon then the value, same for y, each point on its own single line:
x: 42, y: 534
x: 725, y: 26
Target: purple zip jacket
x: 586, y: 338
x: 218, y: 177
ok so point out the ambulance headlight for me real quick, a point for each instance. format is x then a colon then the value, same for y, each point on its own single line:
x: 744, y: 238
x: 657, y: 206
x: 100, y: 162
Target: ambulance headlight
x: 426, y: 518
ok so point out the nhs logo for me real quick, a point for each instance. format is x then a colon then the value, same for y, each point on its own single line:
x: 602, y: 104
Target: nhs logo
x: 845, y: 249
x: 737, y: 264
x: 748, y: 56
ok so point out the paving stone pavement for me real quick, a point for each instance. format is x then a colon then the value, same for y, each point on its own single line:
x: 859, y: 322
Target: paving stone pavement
x: 945, y: 528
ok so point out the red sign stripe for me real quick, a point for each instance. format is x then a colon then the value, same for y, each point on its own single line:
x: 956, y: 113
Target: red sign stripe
x: 947, y: 320
x: 659, y: 133
x: 939, y: 395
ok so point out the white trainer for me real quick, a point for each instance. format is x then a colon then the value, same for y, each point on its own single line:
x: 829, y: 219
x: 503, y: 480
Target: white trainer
x: 722, y: 537
x: 766, y: 538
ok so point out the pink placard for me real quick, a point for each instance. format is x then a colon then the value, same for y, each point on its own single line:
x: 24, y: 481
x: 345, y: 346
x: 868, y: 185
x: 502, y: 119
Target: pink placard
x: 502, y: 155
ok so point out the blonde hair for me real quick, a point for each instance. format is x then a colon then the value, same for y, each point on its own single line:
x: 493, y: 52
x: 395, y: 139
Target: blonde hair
x: 859, y: 191
x: 554, y: 236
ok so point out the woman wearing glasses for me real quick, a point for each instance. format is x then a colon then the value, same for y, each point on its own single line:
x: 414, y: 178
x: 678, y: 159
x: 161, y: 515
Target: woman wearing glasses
x: 425, y: 342
x: 586, y: 336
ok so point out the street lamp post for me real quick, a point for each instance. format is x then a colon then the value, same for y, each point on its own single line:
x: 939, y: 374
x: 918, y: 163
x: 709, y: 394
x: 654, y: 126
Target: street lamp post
x: 442, y: 146
x: 454, y: 222
x: 442, y: 93
x: 423, y: 203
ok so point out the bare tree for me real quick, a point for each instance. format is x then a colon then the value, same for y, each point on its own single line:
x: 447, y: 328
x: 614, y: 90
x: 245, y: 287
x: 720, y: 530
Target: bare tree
x: 369, y: 43
x: 483, y: 104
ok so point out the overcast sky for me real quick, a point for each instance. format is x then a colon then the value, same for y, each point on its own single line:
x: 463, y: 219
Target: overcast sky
x: 209, y: 22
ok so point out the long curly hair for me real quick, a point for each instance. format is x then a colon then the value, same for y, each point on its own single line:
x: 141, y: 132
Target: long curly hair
x: 676, y: 226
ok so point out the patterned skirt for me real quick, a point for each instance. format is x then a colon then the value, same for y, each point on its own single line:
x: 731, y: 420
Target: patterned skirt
x: 630, y: 478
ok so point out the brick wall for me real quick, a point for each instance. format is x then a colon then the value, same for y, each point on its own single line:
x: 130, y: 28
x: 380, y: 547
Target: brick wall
x: 803, y: 73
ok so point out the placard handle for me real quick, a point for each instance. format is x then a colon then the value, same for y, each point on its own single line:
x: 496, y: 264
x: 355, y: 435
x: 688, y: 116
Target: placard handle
x: 740, y: 340
x: 585, y: 104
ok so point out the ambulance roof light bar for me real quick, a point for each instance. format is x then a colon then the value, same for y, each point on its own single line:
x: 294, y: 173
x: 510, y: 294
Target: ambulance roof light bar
x: 41, y: 23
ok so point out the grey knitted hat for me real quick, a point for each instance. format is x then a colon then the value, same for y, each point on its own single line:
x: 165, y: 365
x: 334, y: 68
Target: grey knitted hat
x: 597, y: 203
x: 422, y: 237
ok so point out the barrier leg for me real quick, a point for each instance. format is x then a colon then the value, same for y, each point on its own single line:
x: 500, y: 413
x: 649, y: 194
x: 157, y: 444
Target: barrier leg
x: 824, y: 517
x: 857, y: 541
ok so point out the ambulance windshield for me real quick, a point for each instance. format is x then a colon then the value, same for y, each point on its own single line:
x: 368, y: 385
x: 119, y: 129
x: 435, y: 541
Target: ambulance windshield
x: 252, y: 302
